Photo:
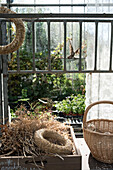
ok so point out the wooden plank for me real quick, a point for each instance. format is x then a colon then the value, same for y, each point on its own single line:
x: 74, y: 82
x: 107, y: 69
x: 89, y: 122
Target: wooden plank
x: 52, y: 163
x: 84, y: 152
x: 88, y: 162
x: 75, y: 141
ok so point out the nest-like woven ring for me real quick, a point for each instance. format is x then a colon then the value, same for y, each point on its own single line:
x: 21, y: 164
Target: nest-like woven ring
x: 20, y: 33
x: 42, y: 136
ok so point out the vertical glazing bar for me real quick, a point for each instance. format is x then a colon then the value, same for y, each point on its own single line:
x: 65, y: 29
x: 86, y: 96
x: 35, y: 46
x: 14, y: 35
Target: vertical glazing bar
x: 18, y: 61
x: 1, y: 109
x: 8, y: 3
x: 60, y: 24
x: 72, y: 44
x: 96, y: 40
x: 9, y: 25
x: 35, y: 11
x: 80, y: 45
x: 49, y: 52
x: 5, y: 75
x: 33, y: 44
x: 111, y: 47
x: 65, y: 32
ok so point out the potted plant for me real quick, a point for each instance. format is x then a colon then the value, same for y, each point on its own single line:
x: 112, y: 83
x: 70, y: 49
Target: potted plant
x: 72, y: 106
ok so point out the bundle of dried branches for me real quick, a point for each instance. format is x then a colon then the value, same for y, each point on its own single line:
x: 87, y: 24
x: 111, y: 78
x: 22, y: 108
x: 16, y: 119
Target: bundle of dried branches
x: 18, y: 136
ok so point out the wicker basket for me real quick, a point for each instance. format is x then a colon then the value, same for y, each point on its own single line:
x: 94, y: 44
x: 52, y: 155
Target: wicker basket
x: 98, y: 134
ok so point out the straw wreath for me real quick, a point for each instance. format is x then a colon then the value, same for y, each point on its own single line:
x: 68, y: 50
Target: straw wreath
x: 20, y: 33
x: 44, y: 140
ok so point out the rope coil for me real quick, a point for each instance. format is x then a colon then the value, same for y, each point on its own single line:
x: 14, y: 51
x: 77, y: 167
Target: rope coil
x: 42, y: 136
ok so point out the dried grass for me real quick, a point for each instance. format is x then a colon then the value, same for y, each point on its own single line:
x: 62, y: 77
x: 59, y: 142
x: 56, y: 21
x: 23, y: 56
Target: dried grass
x: 17, y: 136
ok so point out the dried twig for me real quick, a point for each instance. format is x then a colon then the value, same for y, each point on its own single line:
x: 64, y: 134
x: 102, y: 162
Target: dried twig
x: 7, y: 154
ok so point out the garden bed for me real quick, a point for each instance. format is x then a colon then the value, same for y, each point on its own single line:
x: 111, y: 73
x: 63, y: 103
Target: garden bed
x: 46, y: 162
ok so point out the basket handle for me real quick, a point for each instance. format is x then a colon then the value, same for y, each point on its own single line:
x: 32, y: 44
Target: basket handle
x: 93, y: 104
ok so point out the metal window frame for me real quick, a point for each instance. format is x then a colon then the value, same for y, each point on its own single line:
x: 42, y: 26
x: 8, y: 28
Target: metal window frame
x: 57, y: 5
x: 65, y: 18
x: 49, y: 18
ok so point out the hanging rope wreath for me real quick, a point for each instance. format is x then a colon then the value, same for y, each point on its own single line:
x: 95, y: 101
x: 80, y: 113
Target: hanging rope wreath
x: 20, y: 33
x: 50, y: 141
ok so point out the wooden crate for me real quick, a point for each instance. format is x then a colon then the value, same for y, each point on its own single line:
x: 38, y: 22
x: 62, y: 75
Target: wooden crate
x: 69, y: 162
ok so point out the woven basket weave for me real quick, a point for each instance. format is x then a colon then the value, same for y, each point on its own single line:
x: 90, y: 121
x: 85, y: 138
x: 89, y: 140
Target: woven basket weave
x: 98, y: 134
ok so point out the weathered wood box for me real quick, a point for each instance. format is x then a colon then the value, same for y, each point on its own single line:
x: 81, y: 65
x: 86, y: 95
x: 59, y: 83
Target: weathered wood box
x: 69, y: 162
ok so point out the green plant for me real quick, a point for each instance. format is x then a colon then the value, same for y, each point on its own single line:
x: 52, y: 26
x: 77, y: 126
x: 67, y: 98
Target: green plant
x: 33, y: 86
x: 12, y: 114
x: 24, y: 93
x: 72, y: 105
x: 42, y: 85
